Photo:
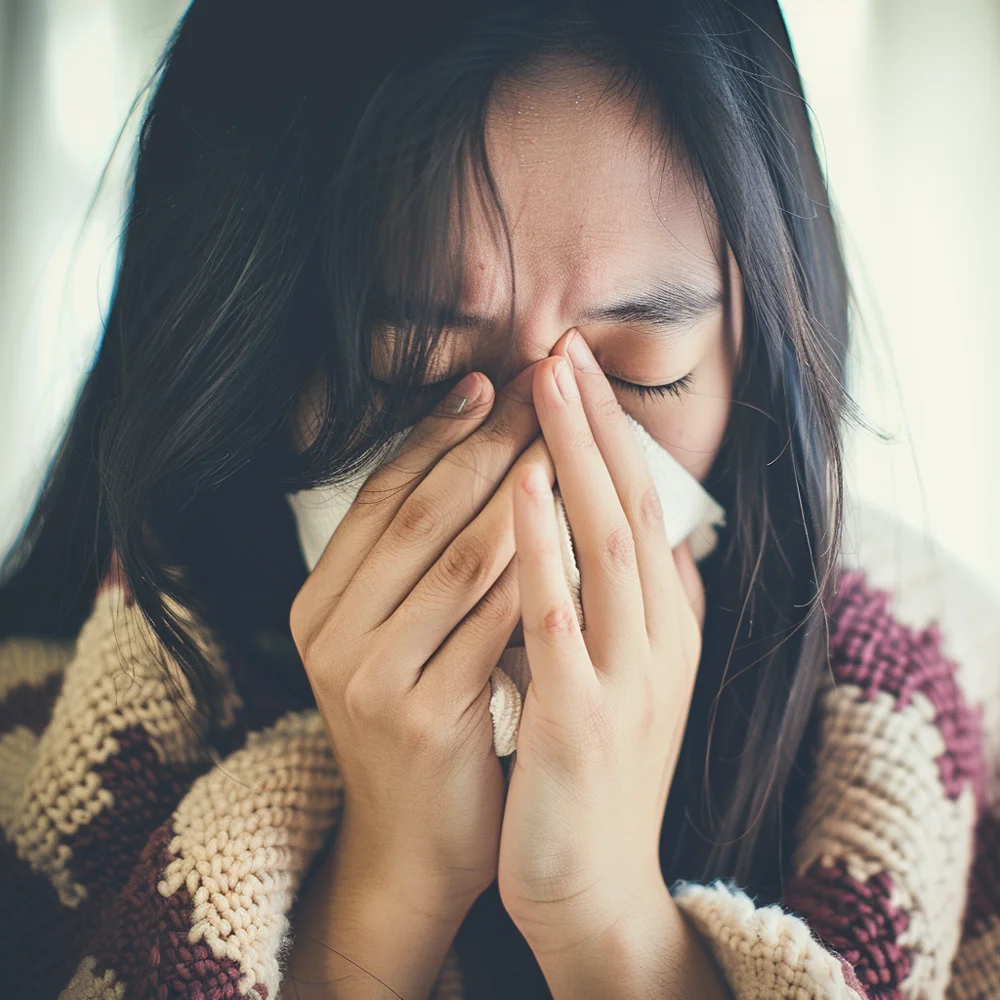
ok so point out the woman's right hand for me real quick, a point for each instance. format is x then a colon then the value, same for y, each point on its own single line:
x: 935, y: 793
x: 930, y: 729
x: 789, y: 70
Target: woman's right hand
x: 399, y: 627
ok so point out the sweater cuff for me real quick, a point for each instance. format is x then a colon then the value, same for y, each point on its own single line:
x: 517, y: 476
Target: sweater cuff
x: 763, y: 952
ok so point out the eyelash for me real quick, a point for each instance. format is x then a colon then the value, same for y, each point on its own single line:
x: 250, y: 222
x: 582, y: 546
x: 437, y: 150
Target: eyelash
x: 676, y: 388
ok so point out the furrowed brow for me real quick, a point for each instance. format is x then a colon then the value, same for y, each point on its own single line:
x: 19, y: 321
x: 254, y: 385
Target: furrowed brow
x: 668, y: 306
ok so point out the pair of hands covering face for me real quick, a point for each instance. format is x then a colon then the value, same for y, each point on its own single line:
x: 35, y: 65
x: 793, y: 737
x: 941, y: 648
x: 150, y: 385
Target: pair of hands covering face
x: 410, y: 607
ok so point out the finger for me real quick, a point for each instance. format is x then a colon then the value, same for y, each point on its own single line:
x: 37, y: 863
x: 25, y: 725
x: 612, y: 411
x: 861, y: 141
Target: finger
x: 449, y: 497
x: 460, y: 669
x: 602, y: 537
x: 560, y: 664
x: 630, y: 474
x: 460, y: 413
x: 466, y: 570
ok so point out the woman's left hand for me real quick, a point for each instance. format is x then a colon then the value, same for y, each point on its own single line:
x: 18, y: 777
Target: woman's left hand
x: 605, y: 712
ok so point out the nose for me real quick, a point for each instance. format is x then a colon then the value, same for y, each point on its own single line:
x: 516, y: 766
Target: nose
x: 531, y: 342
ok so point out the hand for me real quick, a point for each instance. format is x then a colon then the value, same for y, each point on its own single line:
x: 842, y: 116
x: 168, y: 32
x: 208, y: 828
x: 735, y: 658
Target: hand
x: 399, y: 627
x: 605, y: 712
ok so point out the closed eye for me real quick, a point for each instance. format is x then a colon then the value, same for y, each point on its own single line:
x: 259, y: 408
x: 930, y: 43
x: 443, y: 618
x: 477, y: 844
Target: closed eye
x: 676, y: 388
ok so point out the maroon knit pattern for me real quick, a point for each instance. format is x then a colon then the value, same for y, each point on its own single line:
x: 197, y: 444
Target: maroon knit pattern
x: 146, y: 791
x: 145, y: 941
x: 983, y: 906
x: 30, y: 705
x: 856, y: 920
x: 143, y: 938
x: 872, y: 650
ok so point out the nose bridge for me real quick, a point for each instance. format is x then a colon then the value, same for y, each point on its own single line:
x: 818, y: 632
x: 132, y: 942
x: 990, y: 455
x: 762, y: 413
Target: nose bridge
x: 536, y: 329
x: 540, y: 299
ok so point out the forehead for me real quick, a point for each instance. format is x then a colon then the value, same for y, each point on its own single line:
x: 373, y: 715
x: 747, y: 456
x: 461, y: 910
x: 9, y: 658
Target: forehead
x: 593, y: 192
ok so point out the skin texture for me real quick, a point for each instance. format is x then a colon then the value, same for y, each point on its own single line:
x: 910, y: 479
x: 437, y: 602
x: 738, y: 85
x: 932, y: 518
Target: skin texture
x: 597, y: 209
x: 604, y: 714
x: 452, y: 544
x: 601, y: 209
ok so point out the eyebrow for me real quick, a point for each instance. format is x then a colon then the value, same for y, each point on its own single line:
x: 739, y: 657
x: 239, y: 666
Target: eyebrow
x: 665, y: 307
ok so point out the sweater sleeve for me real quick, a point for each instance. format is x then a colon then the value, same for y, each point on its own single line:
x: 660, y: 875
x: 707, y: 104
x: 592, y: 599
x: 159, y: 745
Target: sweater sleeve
x: 894, y: 890
x: 764, y: 951
x: 135, y: 859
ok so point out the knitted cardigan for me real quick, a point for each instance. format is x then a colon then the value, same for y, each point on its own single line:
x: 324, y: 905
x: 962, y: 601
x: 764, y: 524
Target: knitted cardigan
x: 135, y: 864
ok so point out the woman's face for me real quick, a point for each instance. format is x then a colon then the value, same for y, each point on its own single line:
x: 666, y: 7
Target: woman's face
x: 610, y: 234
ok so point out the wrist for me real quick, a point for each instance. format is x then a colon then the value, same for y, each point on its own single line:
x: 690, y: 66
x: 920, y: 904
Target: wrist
x: 363, y: 934
x: 393, y: 884
x: 407, y: 896
x: 617, y: 924
x: 571, y: 916
x: 647, y: 950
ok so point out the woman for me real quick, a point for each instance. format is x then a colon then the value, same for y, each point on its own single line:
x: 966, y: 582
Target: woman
x: 505, y: 224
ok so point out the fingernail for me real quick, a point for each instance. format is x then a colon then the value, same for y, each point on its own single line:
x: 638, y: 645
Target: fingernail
x: 463, y: 395
x: 578, y: 350
x: 565, y: 381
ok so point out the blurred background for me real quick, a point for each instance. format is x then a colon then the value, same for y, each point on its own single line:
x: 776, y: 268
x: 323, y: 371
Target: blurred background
x: 905, y: 96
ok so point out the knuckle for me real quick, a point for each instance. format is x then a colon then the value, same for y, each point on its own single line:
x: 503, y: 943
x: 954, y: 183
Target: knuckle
x: 557, y: 623
x: 311, y: 643
x: 540, y: 549
x: 355, y: 698
x: 418, y: 730
x: 466, y: 563
x: 310, y: 652
x: 360, y: 701
x: 618, y: 550
x: 418, y: 518
x: 650, y: 509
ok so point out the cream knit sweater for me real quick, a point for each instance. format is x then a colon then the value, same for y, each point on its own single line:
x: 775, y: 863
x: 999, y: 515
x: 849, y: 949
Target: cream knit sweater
x: 132, y: 867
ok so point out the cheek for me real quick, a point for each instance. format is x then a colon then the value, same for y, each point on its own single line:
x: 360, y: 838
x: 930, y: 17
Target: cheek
x: 698, y: 436
x: 691, y: 428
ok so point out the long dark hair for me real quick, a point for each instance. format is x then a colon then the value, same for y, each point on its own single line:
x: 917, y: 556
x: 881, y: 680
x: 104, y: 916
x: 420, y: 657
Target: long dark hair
x: 293, y: 155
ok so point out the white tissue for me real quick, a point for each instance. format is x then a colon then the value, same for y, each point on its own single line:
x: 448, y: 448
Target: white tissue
x: 688, y: 511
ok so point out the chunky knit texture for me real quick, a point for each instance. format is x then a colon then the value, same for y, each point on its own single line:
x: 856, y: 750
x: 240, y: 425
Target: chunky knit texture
x: 138, y: 861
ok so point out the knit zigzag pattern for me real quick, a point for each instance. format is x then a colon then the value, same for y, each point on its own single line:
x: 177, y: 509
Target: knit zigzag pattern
x: 138, y: 861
